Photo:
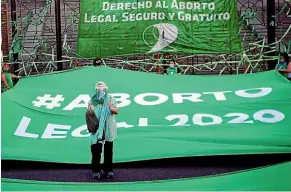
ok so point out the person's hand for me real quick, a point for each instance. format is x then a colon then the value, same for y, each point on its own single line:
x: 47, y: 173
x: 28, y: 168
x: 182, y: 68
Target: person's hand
x: 109, y: 105
x: 19, y: 77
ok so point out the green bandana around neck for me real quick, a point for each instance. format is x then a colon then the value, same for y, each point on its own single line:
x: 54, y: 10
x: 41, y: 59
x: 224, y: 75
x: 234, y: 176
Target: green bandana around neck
x: 172, y: 71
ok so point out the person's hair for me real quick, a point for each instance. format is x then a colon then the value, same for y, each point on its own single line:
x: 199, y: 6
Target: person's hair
x: 97, y: 62
x: 5, y: 65
x: 172, y: 60
x: 285, y: 56
x: 101, y: 83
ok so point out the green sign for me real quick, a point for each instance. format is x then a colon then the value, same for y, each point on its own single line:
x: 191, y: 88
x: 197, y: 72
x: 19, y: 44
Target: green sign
x: 108, y: 28
x: 43, y: 118
x: 272, y: 178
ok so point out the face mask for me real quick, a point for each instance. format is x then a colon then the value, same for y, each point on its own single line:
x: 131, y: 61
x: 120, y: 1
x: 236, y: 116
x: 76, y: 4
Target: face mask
x: 100, y: 94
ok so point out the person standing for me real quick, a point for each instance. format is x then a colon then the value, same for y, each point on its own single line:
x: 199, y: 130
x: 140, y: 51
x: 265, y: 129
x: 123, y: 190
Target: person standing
x: 286, y: 66
x: 101, y: 124
x: 286, y: 72
x: 97, y: 62
x: 284, y: 59
x: 7, y: 78
x: 172, y: 69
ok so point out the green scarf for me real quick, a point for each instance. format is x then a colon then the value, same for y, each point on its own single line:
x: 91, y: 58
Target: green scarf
x: 101, y: 114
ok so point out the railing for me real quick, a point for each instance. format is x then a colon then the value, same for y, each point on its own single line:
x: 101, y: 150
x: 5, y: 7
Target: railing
x: 37, y: 34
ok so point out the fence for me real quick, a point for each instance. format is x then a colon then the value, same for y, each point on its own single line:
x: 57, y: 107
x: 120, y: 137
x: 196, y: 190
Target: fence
x: 36, y: 39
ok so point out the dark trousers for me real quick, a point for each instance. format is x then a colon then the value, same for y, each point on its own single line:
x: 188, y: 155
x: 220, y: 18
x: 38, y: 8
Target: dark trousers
x: 96, y: 151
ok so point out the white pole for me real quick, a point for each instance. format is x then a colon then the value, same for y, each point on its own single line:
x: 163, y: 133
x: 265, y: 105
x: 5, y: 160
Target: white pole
x: 53, y: 56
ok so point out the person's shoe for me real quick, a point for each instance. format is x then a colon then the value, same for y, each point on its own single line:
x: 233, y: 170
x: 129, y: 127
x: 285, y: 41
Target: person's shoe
x: 110, y: 175
x: 96, y: 175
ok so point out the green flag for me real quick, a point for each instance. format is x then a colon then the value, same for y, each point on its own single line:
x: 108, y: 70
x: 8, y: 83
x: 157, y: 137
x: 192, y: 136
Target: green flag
x: 108, y: 28
x: 43, y: 118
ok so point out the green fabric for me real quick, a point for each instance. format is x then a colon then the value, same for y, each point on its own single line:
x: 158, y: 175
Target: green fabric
x: 15, y: 47
x: 281, y: 66
x: 93, y: 139
x: 185, y: 26
x: 172, y: 70
x: 271, y: 178
x: 102, y: 113
x: 110, y: 132
x: 9, y: 81
x: 173, y: 128
x: 110, y: 124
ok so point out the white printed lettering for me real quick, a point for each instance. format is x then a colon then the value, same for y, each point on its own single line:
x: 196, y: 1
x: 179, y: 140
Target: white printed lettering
x: 123, y: 125
x: 51, y: 133
x: 80, y: 102
x: 180, y: 97
x: 21, y: 129
x: 78, y: 132
x: 122, y: 99
x: 219, y: 96
x: 262, y: 92
x: 198, y: 119
x: 140, y: 99
x: 276, y: 116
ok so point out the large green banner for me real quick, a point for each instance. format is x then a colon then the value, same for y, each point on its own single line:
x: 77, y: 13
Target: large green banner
x: 43, y: 118
x: 108, y: 28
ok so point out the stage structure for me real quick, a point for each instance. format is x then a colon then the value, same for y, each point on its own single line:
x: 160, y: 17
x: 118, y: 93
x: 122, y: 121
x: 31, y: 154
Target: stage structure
x: 43, y: 39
